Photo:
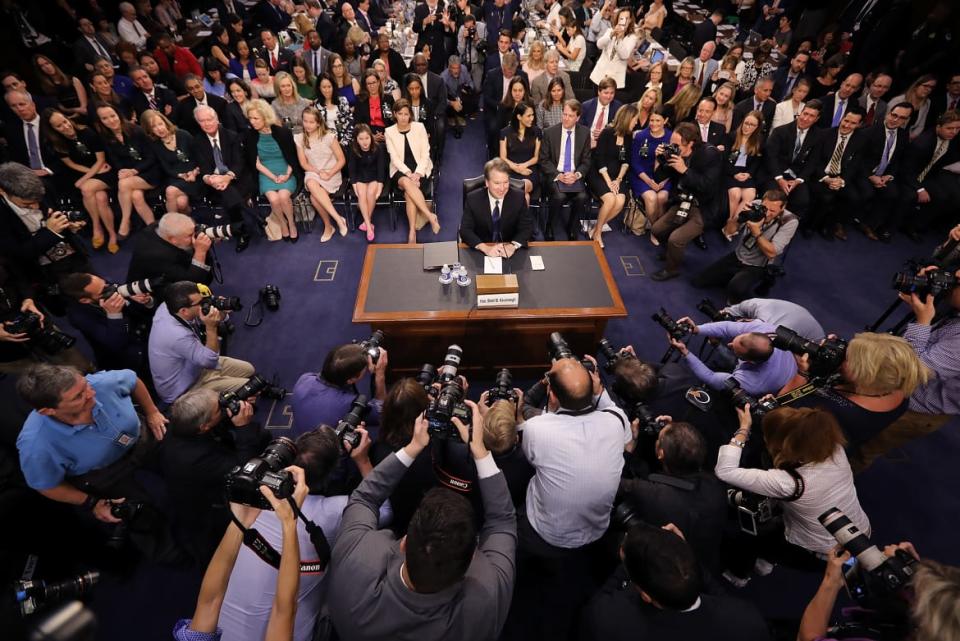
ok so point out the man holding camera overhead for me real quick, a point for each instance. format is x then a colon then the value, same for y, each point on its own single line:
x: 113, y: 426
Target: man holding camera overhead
x: 767, y: 230
x: 171, y: 248
x: 179, y: 359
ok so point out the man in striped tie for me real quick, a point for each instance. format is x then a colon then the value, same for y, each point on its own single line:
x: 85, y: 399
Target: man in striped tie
x: 829, y: 172
x: 929, y: 188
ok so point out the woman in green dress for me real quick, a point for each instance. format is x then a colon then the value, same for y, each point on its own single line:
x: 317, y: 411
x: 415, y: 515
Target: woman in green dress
x: 272, y: 150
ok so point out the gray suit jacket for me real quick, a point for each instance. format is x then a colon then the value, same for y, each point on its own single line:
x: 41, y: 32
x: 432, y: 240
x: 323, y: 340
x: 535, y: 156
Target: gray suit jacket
x: 712, y: 65
x: 538, y: 90
x: 880, y: 110
x: 367, y: 599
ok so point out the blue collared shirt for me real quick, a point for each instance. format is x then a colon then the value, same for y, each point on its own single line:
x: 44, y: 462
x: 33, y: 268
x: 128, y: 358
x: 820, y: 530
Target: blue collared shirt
x: 315, y: 402
x: 51, y: 450
x: 176, y: 355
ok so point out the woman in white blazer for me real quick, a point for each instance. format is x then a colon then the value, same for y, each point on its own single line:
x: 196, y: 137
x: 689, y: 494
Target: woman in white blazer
x: 410, y: 166
x: 616, y: 46
x: 788, y: 110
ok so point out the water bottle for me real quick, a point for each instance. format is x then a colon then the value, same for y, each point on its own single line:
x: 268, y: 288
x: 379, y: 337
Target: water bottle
x: 446, y: 276
x: 462, y: 278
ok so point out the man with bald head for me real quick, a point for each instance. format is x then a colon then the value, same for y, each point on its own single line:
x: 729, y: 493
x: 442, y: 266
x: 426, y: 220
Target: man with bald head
x: 576, y: 449
x: 705, y: 65
x: 224, y: 170
x: 835, y: 105
x: 171, y: 248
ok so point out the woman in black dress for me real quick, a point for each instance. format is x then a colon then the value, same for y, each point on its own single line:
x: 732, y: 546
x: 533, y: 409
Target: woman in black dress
x: 367, y: 167
x: 85, y: 170
x: 520, y: 147
x: 517, y: 93
x: 609, y: 165
x: 419, y: 109
x: 130, y: 153
x: 172, y: 149
x: 239, y: 93
x: 102, y: 93
x: 741, y: 167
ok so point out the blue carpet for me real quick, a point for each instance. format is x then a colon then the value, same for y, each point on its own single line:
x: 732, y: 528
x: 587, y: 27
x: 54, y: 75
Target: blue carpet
x: 911, y: 495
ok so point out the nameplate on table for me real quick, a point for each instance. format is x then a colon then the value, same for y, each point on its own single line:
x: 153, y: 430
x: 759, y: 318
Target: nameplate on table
x: 486, y: 301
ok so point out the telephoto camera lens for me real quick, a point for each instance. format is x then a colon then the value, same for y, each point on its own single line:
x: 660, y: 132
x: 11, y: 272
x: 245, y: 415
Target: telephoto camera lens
x: 220, y: 232
x: 347, y: 427
x: 502, y: 389
x: 649, y: 423
x: 558, y: 348
x: 133, y: 288
x: 933, y: 283
x: 426, y: 377
x: 223, y: 303
x: 839, y: 525
x: 677, y: 331
x: 46, y: 337
x: 607, y: 350
x: 451, y: 365
x: 754, y: 213
x: 32, y: 594
x: 825, y: 358
x: 711, y: 311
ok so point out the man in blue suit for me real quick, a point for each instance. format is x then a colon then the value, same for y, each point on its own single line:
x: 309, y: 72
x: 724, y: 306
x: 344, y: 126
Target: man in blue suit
x: 599, y: 111
x: 498, y: 14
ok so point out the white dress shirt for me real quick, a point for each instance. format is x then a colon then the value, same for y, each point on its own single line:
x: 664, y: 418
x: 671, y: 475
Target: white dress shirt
x: 563, y: 149
x: 578, y: 460
x: 36, y: 132
x: 132, y: 32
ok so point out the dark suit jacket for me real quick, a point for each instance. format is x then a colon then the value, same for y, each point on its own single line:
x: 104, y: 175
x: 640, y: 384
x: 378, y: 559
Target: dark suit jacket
x: 476, y: 226
x: 550, y: 160
x: 874, y: 139
x: 231, y: 148
x: 491, y: 15
x: 240, y: 10
x: 780, y: 82
x: 17, y: 146
x: 829, y: 106
x: 163, y: 98
x: 185, y: 119
x: 21, y: 247
x: 85, y: 54
x: 269, y: 16
x: 879, y: 110
x: 398, y: 68
x: 704, y: 167
x: 745, y: 106
x: 493, y: 91
x: 436, y: 93
x: 938, y: 105
x: 703, y: 33
x: 284, y: 59
x: 716, y: 134
x: 288, y: 147
x: 918, y: 155
x: 816, y: 166
x: 589, y: 111
x: 778, y: 150
x: 153, y: 256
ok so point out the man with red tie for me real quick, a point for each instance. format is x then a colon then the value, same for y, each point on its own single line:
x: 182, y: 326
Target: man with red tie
x: 599, y: 111
x: 872, y: 102
x: 276, y: 57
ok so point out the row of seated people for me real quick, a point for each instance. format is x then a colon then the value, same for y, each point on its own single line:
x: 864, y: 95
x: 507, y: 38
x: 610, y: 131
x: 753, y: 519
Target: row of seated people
x: 116, y: 160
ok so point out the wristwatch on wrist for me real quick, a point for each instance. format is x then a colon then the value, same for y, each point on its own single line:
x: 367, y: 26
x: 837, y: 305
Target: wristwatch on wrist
x: 90, y: 502
x: 737, y: 443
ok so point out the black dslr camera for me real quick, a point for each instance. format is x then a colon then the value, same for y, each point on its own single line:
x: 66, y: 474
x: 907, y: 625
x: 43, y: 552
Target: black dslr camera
x: 558, y: 348
x: 612, y: 355
x: 711, y: 311
x: 502, y: 389
x: 650, y: 425
x: 933, y: 282
x: 873, y: 574
x: 825, y: 358
x: 427, y: 376
x: 243, y: 482
x: 219, y: 232
x: 256, y: 384
x: 223, y: 303
x: 347, y: 427
x: 447, y: 405
x: 32, y: 595
x: 45, y: 337
x: 740, y: 399
x: 133, y: 288
x: 270, y: 295
x: 666, y: 152
x: 754, y: 213
x: 372, y: 345
x: 677, y: 331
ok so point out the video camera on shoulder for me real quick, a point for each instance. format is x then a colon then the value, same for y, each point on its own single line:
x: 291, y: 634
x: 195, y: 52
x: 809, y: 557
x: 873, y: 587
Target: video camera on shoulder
x: 715, y: 314
x: 677, y: 331
x: 558, y: 348
x: 754, y: 213
x: 612, y: 355
x: 825, y: 358
x: 933, y: 283
x: 43, y: 336
x: 372, y: 345
x: 256, y: 384
x: 133, y: 288
x: 502, y: 389
x: 219, y: 232
x: 243, y: 482
x: 871, y: 574
x: 346, y: 429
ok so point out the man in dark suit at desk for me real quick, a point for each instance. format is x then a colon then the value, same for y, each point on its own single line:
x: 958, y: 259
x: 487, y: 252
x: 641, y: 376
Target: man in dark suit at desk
x: 787, y: 151
x: 564, y: 161
x: 223, y: 170
x: 496, y: 220
x: 760, y: 101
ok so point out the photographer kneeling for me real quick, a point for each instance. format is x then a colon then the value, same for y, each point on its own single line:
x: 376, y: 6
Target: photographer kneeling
x: 767, y: 230
x: 682, y: 493
x: 810, y: 474
x: 323, y: 398
x: 171, y: 248
x: 695, y: 170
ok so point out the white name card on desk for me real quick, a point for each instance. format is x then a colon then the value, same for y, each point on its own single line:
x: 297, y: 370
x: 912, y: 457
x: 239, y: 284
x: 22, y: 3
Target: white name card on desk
x: 485, y: 301
x: 536, y: 263
x: 492, y: 265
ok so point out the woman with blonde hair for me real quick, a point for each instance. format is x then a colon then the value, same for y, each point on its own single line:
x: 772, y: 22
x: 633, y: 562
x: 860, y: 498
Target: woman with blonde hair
x: 880, y: 372
x: 288, y: 104
x: 616, y: 48
x: 271, y: 149
x: 390, y: 85
x: 684, y: 76
x: 723, y: 114
x: 918, y: 95
x: 408, y: 148
x: 682, y: 103
x: 322, y: 160
x: 810, y: 474
x: 649, y: 100
x: 743, y: 163
x: 533, y: 66
x: 173, y: 149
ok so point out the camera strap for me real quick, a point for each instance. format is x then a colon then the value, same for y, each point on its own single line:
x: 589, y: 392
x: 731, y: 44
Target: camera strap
x: 799, y: 485
x: 248, y: 321
x: 269, y: 555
